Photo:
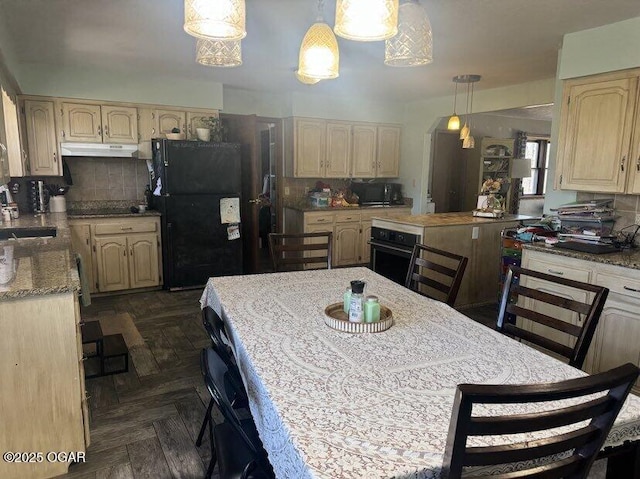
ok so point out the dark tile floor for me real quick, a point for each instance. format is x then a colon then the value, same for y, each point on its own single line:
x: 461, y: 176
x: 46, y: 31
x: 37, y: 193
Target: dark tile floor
x: 144, y: 423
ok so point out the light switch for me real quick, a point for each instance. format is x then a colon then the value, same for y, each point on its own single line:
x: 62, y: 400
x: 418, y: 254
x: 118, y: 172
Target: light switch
x: 475, y: 232
x: 286, y: 191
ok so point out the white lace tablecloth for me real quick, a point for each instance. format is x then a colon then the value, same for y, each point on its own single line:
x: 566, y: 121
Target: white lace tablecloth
x: 333, y: 405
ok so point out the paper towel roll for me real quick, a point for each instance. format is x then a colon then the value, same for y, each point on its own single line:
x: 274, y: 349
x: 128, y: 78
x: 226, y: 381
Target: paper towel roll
x: 57, y: 204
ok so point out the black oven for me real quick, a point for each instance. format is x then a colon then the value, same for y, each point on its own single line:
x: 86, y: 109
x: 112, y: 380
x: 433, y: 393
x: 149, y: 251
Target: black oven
x: 391, y: 253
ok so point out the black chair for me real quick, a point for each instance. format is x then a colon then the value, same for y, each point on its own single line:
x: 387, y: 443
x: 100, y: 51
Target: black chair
x: 235, y: 387
x: 435, y: 273
x: 235, y: 443
x: 513, y: 304
x: 577, y: 449
x: 300, y: 251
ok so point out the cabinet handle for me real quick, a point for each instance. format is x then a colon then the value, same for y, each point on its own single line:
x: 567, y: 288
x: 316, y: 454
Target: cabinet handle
x: 106, y: 130
x: 320, y: 220
x: 62, y: 134
x: 55, y: 157
x: 87, y: 240
x: 624, y: 158
x: 124, y: 252
x: 552, y: 271
x: 131, y: 251
x: 99, y: 131
x: 638, y: 163
x: 123, y: 228
x: 153, y: 131
x: 631, y: 289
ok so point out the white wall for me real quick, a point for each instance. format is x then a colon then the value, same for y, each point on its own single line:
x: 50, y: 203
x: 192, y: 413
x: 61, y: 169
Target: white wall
x: 110, y: 85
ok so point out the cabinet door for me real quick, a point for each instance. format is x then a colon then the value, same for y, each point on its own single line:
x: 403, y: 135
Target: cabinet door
x: 633, y: 185
x: 365, y: 247
x: 194, y: 120
x: 112, y: 267
x: 347, y: 250
x: 338, y: 150
x: 143, y: 260
x: 81, y: 244
x: 41, y: 138
x: 120, y: 124
x: 167, y: 120
x: 321, y: 228
x: 82, y: 123
x: 388, y: 154
x: 595, y: 134
x: 309, y: 148
x: 363, y: 157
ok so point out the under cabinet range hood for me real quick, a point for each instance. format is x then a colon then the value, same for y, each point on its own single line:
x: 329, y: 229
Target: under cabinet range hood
x: 99, y: 149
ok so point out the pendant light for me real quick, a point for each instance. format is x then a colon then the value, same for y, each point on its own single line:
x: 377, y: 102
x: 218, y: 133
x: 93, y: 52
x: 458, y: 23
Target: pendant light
x: 319, y: 57
x: 464, y: 131
x: 215, y: 19
x: 305, y: 79
x: 218, y: 53
x: 454, y: 120
x: 413, y: 44
x: 469, y: 142
x: 366, y: 20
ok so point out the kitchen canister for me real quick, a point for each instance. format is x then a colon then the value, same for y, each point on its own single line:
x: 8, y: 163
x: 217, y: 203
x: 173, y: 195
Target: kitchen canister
x: 57, y: 204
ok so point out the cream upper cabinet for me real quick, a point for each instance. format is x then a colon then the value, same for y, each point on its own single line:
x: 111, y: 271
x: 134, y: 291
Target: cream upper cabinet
x: 338, y: 150
x: 194, y: 120
x: 388, y: 151
x: 90, y: 123
x: 120, y: 124
x: 309, y: 148
x: 167, y: 120
x: 595, y: 133
x: 633, y: 184
x: 363, y: 158
x: 43, y: 157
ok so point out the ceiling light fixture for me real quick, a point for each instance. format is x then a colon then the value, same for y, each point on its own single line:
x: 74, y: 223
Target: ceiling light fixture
x: 413, y: 44
x: 464, y: 131
x: 319, y: 57
x: 215, y: 19
x: 469, y: 142
x: 306, y: 80
x: 454, y: 120
x: 218, y: 53
x: 366, y: 20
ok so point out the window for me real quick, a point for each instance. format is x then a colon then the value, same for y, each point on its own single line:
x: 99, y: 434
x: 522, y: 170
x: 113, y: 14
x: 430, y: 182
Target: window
x: 537, y: 151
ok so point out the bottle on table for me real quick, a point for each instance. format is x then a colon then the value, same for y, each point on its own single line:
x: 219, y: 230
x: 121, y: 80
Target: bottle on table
x: 372, y: 310
x: 356, y: 305
x: 346, y: 300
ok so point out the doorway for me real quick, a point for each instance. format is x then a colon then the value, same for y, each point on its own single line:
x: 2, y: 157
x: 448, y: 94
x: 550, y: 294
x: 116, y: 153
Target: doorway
x: 261, y: 140
x: 448, y: 176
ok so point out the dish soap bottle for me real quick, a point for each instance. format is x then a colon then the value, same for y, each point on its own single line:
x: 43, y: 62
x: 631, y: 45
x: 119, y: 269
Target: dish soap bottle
x: 356, y: 306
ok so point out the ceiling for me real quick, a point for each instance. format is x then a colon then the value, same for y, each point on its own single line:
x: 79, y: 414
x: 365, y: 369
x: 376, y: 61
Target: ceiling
x: 505, y: 41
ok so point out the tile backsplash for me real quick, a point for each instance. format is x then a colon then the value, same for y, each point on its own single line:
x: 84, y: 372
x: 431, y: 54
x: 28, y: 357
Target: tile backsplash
x: 107, y: 179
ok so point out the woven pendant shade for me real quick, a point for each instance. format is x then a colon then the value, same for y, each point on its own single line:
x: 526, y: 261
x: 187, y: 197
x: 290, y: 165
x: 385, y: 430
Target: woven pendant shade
x: 215, y: 19
x: 366, y: 20
x: 218, y: 53
x: 306, y: 80
x: 319, y: 56
x: 413, y: 44
x: 464, y: 132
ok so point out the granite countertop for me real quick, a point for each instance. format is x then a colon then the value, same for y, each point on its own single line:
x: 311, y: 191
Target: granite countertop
x: 303, y: 207
x: 452, y: 219
x: 108, y: 213
x: 37, y: 266
x: 629, y: 258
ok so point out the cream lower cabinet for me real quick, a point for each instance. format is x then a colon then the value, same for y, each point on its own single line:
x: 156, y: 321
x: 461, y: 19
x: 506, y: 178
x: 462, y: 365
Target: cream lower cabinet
x: 43, y: 403
x: 81, y: 244
x: 347, y: 232
x: 617, y: 337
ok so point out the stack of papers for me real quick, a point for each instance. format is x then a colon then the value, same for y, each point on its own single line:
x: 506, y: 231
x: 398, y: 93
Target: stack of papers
x: 594, y: 210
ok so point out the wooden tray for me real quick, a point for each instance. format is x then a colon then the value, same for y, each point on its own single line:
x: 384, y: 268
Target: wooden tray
x: 336, y: 318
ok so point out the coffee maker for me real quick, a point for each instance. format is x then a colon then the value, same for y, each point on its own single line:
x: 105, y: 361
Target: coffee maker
x: 38, y: 196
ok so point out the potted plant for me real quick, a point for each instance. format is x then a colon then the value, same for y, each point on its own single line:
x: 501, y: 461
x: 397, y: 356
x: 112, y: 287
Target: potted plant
x: 212, y: 130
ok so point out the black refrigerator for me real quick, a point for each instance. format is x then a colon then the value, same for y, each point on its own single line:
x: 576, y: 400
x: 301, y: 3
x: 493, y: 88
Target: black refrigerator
x: 190, y: 181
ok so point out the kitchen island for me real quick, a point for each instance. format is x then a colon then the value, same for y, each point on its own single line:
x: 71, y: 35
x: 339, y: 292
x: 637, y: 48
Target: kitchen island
x: 461, y: 233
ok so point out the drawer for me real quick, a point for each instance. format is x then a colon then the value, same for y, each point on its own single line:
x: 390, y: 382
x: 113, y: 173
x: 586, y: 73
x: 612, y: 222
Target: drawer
x: 619, y: 284
x: 374, y: 212
x: 561, y: 270
x: 128, y: 227
x: 316, y: 219
x: 348, y: 217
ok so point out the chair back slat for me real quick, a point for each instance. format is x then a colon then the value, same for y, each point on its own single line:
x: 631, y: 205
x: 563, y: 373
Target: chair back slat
x: 496, y: 425
x: 300, y: 250
x: 439, y: 272
x: 565, y: 303
x: 564, y: 326
x: 521, y: 301
x: 556, y: 454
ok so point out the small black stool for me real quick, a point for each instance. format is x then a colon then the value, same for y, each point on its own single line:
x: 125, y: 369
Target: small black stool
x: 115, y: 355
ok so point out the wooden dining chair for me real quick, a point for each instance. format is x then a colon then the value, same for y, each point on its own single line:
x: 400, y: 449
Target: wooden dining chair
x: 577, y: 447
x: 557, y: 314
x: 435, y: 273
x: 300, y: 251
x: 235, y: 443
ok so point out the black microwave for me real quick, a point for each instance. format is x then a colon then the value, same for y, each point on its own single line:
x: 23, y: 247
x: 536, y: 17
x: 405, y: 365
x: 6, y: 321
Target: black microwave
x: 378, y: 193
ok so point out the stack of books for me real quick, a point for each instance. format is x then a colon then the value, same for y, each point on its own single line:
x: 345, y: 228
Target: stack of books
x: 594, y: 210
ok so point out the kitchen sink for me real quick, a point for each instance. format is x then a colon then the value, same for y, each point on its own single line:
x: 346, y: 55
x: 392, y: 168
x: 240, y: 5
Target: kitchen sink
x: 20, y: 233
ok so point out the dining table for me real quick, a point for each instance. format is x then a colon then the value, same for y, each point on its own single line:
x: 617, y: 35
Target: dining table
x: 333, y: 404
